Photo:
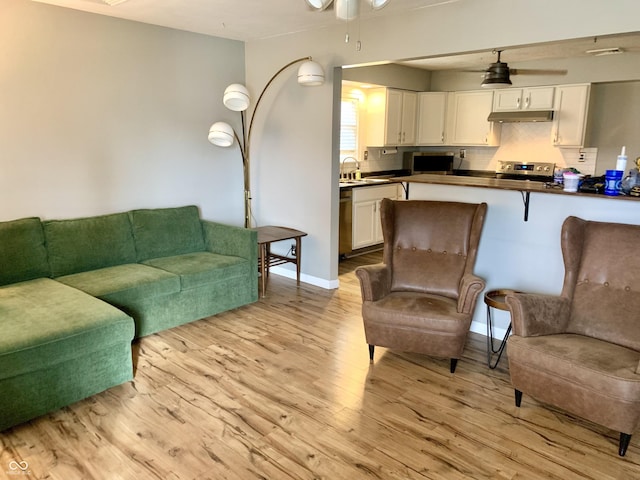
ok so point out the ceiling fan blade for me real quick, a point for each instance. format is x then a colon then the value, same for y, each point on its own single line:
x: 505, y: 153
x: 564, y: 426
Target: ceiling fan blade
x: 535, y: 71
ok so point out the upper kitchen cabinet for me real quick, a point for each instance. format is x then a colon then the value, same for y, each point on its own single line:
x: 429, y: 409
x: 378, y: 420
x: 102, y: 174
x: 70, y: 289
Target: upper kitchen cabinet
x: 570, y: 115
x: 431, y: 118
x: 391, y: 117
x: 514, y: 99
x: 467, y: 122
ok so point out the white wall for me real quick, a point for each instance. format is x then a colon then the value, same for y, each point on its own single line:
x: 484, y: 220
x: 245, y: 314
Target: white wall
x: 99, y: 115
x: 296, y: 181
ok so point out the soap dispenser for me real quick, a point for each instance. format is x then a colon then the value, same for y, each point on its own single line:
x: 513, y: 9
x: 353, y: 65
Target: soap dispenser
x: 621, y: 163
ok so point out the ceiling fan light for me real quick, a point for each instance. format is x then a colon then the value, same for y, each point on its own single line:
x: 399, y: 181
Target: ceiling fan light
x: 310, y: 74
x: 347, y: 9
x: 496, y: 83
x: 378, y: 4
x: 319, y: 4
x: 221, y: 134
x: 236, y: 97
x: 497, y: 75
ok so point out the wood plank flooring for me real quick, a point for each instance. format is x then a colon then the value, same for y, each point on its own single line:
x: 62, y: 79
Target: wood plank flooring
x: 283, y: 389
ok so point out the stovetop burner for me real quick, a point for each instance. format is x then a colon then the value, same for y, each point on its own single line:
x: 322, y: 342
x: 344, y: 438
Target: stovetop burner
x: 534, y: 171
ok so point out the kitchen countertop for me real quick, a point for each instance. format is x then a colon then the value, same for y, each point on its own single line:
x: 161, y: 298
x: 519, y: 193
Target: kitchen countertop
x: 501, y: 184
x: 364, y: 182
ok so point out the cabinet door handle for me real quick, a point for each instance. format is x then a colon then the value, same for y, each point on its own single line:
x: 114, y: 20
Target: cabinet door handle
x: 527, y: 101
x: 518, y: 103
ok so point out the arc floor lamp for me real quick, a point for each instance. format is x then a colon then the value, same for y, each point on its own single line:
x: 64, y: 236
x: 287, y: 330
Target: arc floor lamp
x: 236, y: 98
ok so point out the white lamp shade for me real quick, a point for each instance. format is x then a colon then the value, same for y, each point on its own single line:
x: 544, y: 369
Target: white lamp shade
x: 347, y: 9
x: 221, y: 134
x: 236, y: 97
x: 319, y: 4
x: 310, y: 74
x: 378, y: 4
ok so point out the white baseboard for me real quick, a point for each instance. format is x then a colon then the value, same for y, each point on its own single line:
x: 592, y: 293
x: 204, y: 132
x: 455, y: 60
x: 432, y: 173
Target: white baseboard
x: 318, y: 282
x: 481, y: 328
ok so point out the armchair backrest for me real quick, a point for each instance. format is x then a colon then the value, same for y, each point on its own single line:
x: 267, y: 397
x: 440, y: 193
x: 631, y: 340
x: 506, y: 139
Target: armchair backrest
x: 430, y: 245
x: 602, y: 279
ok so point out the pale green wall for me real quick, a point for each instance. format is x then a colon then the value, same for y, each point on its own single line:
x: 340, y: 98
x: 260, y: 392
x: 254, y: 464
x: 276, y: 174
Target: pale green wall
x: 99, y: 115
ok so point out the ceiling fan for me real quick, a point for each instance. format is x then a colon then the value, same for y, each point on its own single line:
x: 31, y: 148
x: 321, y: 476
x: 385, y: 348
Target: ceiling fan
x: 345, y: 9
x: 497, y: 74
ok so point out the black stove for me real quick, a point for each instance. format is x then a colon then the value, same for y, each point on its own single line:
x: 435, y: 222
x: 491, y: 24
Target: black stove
x: 532, y: 171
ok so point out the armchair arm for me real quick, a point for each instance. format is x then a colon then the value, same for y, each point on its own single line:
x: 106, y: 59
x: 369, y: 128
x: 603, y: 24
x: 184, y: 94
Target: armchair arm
x: 535, y: 315
x: 470, y: 288
x: 375, y: 281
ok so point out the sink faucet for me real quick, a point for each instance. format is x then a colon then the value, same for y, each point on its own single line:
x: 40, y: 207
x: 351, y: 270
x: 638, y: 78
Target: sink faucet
x: 343, y: 161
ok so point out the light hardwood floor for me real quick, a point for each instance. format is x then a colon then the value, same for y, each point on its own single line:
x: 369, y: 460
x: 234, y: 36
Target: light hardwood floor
x: 283, y: 389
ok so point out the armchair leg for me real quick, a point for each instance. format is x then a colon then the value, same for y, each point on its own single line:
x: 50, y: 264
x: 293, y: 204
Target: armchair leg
x: 371, y: 349
x: 625, y: 438
x: 518, y: 394
x: 454, y: 363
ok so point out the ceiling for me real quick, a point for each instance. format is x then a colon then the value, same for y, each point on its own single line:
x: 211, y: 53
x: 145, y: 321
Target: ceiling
x: 247, y: 20
x: 628, y: 43
x: 234, y: 19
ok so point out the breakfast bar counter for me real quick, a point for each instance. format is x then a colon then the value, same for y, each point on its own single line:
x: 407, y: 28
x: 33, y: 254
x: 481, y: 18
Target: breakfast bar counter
x: 501, y: 184
x: 517, y: 254
x: 526, y: 187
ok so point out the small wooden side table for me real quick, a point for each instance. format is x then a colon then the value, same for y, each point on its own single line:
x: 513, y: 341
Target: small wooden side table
x: 496, y: 299
x: 266, y: 236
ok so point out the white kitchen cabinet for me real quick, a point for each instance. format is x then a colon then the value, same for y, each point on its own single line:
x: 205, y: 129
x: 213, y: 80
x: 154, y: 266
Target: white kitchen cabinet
x: 431, y: 118
x: 391, y: 117
x: 514, y: 99
x: 467, y: 119
x: 570, y: 115
x: 367, y: 229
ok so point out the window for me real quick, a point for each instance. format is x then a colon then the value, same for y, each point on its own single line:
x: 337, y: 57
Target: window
x: 349, y: 128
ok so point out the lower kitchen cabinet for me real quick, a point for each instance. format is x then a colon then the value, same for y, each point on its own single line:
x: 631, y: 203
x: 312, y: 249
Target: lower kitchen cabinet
x: 367, y: 229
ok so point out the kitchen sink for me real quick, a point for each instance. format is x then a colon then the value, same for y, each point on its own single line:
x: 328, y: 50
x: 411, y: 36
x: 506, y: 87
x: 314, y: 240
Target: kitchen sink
x: 364, y: 181
x: 376, y: 180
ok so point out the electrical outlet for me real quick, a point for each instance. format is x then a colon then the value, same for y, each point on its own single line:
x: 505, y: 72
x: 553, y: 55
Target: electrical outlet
x: 293, y: 250
x: 463, y: 153
x: 366, y: 154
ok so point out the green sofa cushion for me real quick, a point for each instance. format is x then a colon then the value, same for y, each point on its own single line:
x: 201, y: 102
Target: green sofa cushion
x: 124, y: 283
x: 164, y: 232
x: 22, y: 252
x: 200, y: 268
x: 83, y: 244
x: 45, y: 323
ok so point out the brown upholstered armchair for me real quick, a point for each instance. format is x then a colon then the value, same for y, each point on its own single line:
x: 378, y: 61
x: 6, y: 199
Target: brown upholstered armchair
x: 422, y: 297
x: 580, y: 351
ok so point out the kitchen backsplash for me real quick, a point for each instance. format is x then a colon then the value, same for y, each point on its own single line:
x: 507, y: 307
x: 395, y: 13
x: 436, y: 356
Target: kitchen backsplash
x: 523, y: 142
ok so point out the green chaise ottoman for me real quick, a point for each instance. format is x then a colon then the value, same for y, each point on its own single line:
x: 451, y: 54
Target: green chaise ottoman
x: 58, y: 345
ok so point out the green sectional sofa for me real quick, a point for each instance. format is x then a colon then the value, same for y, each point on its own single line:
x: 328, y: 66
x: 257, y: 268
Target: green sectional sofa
x: 75, y: 293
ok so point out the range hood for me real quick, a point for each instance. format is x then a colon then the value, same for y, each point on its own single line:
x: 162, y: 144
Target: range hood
x: 521, y: 116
